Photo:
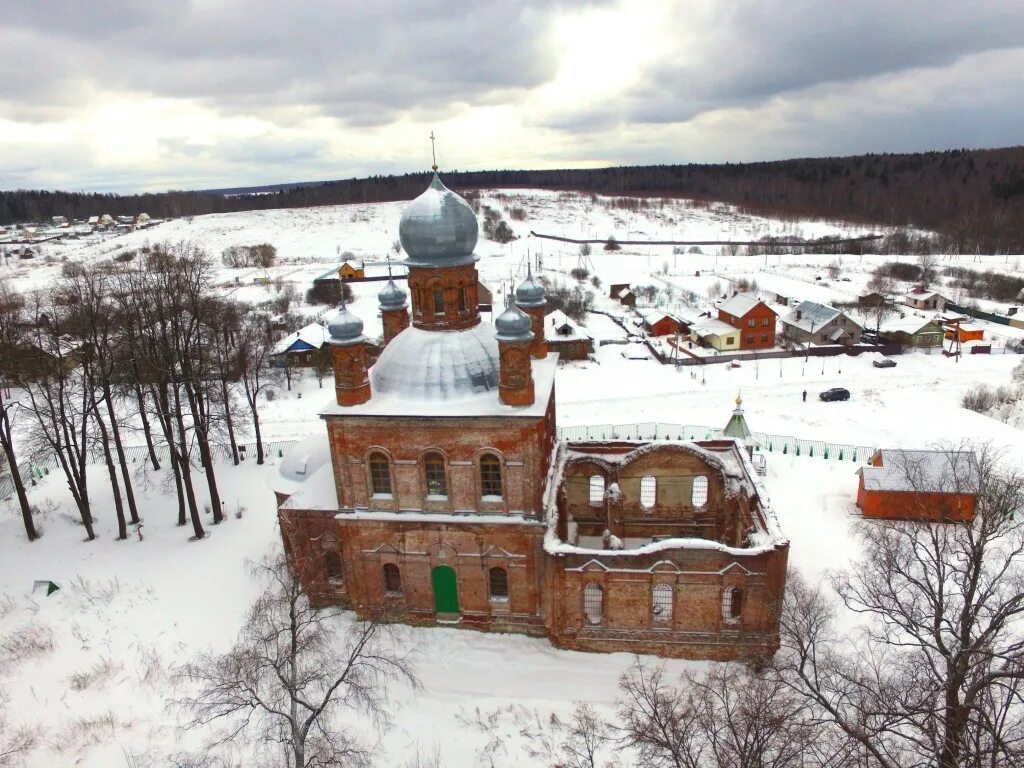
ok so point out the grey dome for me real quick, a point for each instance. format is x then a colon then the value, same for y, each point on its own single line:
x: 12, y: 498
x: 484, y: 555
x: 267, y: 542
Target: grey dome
x: 530, y: 293
x: 391, y: 296
x: 438, y: 365
x: 514, y: 325
x: 438, y: 228
x: 344, y: 327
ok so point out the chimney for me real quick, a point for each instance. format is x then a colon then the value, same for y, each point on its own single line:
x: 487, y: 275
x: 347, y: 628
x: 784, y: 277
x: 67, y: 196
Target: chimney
x: 799, y: 314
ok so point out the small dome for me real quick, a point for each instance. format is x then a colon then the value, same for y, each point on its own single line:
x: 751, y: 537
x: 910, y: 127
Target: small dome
x: 391, y: 296
x: 530, y: 293
x: 344, y: 327
x: 514, y: 325
x: 438, y: 228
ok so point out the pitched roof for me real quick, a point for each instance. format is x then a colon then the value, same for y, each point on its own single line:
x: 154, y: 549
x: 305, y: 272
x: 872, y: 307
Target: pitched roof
x: 909, y: 324
x: 313, y: 335
x: 557, y: 320
x: 712, y: 326
x: 740, y: 304
x: 923, y: 472
x: 808, y: 315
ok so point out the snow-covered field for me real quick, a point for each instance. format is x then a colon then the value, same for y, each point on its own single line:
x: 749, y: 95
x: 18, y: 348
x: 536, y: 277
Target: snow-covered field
x: 91, y: 665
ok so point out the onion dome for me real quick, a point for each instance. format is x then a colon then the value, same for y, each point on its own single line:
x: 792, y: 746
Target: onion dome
x: 438, y: 228
x: 514, y: 325
x: 344, y: 328
x: 530, y: 292
x: 391, y: 296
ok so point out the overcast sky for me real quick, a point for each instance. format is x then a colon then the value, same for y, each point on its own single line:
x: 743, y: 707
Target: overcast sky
x: 126, y: 95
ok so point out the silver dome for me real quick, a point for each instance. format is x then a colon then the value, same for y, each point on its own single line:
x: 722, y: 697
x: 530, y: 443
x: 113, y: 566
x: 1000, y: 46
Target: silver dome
x: 344, y: 327
x: 530, y: 292
x: 438, y: 365
x: 391, y: 296
x: 438, y: 228
x: 514, y: 325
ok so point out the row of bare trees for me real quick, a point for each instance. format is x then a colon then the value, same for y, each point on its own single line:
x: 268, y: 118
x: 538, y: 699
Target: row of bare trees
x: 127, y: 348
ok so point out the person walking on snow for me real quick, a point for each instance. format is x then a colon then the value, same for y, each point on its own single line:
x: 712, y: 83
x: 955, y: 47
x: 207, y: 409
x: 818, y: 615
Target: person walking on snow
x: 805, y: 395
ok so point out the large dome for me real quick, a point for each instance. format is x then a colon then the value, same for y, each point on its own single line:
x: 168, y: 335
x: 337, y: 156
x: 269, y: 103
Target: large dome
x: 438, y: 365
x: 438, y: 228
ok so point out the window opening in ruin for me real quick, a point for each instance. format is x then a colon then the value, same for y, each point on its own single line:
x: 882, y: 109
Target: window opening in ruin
x: 438, y: 301
x: 433, y: 468
x: 490, y: 475
x: 380, y: 475
x: 661, y: 603
x: 732, y: 604
x: 462, y: 299
x: 648, y: 491
x: 699, y: 491
x: 332, y: 562
x: 498, y: 578
x: 593, y: 603
x: 596, y: 490
x: 392, y: 579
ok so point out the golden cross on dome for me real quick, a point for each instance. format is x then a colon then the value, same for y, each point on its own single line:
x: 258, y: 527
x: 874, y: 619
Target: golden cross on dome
x: 433, y: 152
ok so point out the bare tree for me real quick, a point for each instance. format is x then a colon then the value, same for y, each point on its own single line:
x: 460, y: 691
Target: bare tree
x: 929, y: 263
x: 16, y: 742
x: 10, y: 340
x: 934, y: 674
x: 323, y: 364
x: 587, y: 737
x: 254, y: 350
x: 290, y: 672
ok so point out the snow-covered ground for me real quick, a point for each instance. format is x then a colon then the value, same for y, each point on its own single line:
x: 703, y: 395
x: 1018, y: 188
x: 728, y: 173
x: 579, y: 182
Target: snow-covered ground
x: 92, y: 665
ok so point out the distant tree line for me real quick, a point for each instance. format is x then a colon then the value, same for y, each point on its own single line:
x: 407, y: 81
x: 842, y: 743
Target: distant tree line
x: 973, y: 198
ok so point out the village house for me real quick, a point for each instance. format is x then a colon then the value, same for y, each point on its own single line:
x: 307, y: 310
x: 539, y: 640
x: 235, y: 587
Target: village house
x: 567, y: 337
x: 871, y: 299
x: 716, y: 334
x: 921, y: 298
x: 813, y: 323
x: 297, y: 350
x: 438, y: 492
x: 661, y: 324
x: 623, y: 294
x: 912, y: 332
x: 937, y: 486
x: 754, y: 319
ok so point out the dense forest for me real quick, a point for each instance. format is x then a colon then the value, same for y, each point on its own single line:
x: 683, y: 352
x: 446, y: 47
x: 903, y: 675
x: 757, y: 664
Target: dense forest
x: 973, y: 198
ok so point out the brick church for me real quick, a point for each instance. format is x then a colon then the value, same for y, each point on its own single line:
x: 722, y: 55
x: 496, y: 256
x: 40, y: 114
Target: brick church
x: 440, y: 493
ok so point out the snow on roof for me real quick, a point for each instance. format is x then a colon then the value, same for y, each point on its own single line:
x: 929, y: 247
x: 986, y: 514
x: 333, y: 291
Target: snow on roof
x: 921, y: 295
x: 712, y: 326
x: 557, y: 321
x: 808, y: 315
x: 318, y: 492
x: 923, y: 472
x: 740, y: 304
x: 313, y: 334
x: 300, y: 462
x: 623, y: 292
x: 909, y: 324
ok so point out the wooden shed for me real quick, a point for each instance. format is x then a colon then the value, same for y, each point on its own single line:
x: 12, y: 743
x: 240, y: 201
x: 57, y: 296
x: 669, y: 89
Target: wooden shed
x: 936, y: 486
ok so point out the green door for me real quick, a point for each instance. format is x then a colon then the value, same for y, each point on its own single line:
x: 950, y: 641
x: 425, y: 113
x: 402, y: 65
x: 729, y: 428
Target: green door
x: 446, y: 589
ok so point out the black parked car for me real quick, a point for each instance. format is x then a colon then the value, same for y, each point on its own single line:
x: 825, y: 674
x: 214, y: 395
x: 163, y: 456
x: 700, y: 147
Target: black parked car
x: 836, y: 393
x: 885, y: 362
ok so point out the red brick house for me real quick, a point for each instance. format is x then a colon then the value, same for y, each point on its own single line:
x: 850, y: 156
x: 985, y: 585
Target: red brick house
x: 754, y: 319
x: 939, y: 486
x: 440, y: 493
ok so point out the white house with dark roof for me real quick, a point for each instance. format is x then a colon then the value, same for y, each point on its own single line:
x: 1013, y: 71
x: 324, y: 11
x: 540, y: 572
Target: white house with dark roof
x: 813, y: 323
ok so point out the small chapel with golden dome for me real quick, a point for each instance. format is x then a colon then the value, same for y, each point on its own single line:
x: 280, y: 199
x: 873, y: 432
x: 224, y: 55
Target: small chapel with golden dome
x: 439, y: 493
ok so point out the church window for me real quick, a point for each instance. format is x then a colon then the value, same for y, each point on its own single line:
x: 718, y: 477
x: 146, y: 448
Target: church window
x: 596, y: 490
x: 593, y: 603
x: 648, y: 491
x: 433, y: 469
x: 490, y: 475
x: 380, y: 474
x: 661, y: 603
x: 332, y: 563
x: 699, y: 491
x: 438, y: 301
x: 498, y: 584
x: 732, y: 604
x: 462, y: 299
x: 392, y: 579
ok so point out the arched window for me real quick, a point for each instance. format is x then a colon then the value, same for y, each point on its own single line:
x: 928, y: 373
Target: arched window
x: 596, y: 490
x: 392, y: 579
x: 462, y: 299
x: 699, y: 492
x: 648, y: 491
x: 380, y: 474
x: 490, y: 475
x: 593, y: 603
x: 498, y: 584
x: 438, y: 301
x: 433, y: 470
x: 332, y: 563
x: 732, y: 604
x: 661, y: 603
